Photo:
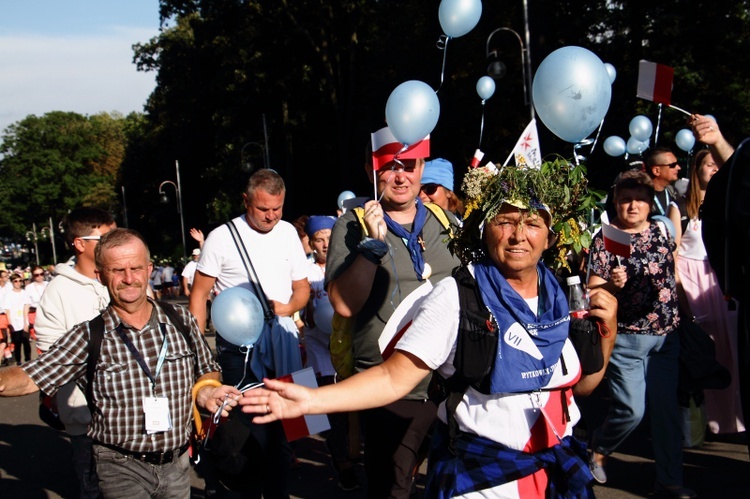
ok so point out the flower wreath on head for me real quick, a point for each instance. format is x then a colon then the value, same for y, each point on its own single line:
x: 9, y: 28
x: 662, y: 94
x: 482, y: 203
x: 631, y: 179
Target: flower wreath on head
x: 557, y: 187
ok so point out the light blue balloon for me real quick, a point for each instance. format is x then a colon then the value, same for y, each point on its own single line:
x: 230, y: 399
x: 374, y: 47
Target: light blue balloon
x: 485, y: 87
x: 412, y: 111
x: 238, y: 316
x: 615, y: 146
x: 343, y: 197
x: 458, y: 17
x: 641, y: 128
x: 685, y: 140
x: 572, y: 92
x: 611, y: 71
x: 635, y: 146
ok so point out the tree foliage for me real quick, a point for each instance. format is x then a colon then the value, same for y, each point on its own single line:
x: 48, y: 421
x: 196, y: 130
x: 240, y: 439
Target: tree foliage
x: 53, y: 163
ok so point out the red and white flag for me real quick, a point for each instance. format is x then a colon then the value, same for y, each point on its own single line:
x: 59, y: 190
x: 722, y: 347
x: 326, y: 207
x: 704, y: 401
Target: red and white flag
x: 616, y: 241
x: 309, y: 424
x: 385, y: 147
x: 526, y: 152
x: 655, y: 82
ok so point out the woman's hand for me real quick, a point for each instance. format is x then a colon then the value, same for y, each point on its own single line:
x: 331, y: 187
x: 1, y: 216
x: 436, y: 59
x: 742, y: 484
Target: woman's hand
x: 619, y: 277
x: 278, y: 400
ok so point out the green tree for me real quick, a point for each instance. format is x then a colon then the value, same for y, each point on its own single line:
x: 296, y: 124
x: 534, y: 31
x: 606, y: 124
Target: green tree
x: 53, y: 163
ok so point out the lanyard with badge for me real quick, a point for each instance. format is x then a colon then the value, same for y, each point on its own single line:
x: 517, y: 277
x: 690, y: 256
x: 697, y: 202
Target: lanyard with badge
x: 155, y: 409
x: 658, y: 203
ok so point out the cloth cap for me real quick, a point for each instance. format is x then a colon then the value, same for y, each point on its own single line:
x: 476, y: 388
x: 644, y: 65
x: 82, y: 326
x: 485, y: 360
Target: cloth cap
x: 196, y: 252
x: 438, y: 171
x: 385, y: 147
x: 318, y: 222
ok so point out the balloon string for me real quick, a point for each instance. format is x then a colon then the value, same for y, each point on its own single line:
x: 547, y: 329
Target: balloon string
x: 580, y: 157
x: 596, y: 139
x: 442, y: 44
x: 481, y: 126
x: 658, y: 123
x: 244, y: 369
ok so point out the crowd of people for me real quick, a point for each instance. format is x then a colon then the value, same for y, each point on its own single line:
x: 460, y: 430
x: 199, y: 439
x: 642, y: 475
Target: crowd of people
x: 483, y: 383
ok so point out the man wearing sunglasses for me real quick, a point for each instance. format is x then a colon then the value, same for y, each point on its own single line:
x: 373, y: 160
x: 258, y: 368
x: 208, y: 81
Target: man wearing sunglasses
x: 663, y: 168
x: 72, y: 297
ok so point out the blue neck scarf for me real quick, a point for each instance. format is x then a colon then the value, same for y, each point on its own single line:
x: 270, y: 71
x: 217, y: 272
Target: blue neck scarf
x: 411, y: 239
x: 529, y: 347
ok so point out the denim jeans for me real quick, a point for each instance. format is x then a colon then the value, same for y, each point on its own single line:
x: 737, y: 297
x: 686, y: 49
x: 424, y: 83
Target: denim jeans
x: 122, y: 477
x: 83, y: 462
x: 644, y: 367
x: 268, y: 451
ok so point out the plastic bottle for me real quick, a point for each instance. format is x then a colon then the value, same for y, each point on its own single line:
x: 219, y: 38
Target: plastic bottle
x: 578, y: 300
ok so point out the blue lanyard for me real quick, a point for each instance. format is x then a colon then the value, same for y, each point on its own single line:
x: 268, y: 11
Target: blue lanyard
x: 658, y: 204
x: 139, y: 357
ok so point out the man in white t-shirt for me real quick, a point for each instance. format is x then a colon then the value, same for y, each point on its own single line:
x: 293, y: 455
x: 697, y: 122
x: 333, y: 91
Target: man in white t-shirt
x: 186, y: 277
x: 277, y: 257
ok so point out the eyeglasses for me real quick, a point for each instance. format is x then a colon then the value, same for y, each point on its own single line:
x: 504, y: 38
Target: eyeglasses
x: 429, y: 189
x: 671, y: 165
x: 90, y: 238
x: 37, y: 274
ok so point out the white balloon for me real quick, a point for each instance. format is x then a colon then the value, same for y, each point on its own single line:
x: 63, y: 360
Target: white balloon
x: 485, y: 87
x: 615, y: 146
x: 611, y: 71
x: 571, y: 92
x: 685, y: 140
x: 641, y: 128
x: 412, y: 111
x: 458, y: 17
x: 635, y: 146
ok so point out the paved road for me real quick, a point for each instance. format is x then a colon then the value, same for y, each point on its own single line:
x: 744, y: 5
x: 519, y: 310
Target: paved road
x: 35, y: 462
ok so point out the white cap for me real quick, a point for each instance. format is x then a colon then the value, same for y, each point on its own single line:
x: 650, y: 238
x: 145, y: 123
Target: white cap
x: 573, y: 280
x: 196, y: 252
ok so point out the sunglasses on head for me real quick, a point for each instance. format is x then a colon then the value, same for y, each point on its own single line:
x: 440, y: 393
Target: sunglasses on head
x: 429, y: 189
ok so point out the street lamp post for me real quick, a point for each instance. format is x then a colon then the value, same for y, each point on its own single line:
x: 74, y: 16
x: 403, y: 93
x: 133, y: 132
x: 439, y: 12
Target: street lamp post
x: 50, y: 232
x: 496, y: 69
x: 32, y: 236
x: 178, y: 192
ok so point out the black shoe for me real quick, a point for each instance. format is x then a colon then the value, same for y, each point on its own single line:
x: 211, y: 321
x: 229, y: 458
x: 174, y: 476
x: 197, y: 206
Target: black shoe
x: 674, y: 491
x: 348, y: 480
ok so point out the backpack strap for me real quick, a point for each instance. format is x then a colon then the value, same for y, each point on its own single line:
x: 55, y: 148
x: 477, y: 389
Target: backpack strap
x: 436, y: 210
x: 475, y: 349
x: 96, y: 330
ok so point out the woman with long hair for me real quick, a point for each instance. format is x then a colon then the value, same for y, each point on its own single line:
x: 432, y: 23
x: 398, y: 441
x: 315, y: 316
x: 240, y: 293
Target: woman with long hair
x: 707, y: 303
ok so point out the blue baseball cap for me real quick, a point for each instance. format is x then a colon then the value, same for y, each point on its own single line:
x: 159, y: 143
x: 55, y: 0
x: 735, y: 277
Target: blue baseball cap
x: 318, y: 222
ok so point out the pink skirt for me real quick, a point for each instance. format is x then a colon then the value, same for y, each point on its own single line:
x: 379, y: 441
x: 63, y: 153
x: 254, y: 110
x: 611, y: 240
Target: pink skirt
x: 723, y: 408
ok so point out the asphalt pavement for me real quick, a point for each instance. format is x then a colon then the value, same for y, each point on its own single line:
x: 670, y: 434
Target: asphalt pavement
x: 35, y: 461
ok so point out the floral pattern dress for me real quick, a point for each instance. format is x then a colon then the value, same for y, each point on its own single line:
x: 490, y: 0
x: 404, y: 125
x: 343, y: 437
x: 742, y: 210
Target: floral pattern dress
x: 648, y: 302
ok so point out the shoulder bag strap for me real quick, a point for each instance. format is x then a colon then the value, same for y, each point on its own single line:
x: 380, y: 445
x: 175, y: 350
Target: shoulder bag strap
x: 252, y: 276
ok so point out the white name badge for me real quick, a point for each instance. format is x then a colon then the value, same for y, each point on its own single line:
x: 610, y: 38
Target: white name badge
x: 156, y: 412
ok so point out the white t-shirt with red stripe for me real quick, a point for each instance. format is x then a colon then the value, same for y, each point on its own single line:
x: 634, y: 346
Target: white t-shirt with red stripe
x: 511, y: 419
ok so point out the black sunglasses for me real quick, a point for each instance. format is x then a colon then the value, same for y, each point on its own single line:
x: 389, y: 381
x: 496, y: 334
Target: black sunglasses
x: 37, y: 274
x: 429, y: 189
x: 671, y: 165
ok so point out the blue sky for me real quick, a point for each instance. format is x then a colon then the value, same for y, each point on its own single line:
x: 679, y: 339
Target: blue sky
x: 73, y: 55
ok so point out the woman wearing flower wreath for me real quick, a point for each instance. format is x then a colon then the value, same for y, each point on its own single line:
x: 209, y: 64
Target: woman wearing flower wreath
x: 515, y: 437
x: 644, y: 362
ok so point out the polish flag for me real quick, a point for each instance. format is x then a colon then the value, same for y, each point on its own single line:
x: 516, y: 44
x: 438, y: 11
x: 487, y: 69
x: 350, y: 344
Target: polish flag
x: 616, y: 241
x: 655, y: 82
x: 401, y: 319
x: 309, y: 424
x: 385, y: 147
x: 526, y: 152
